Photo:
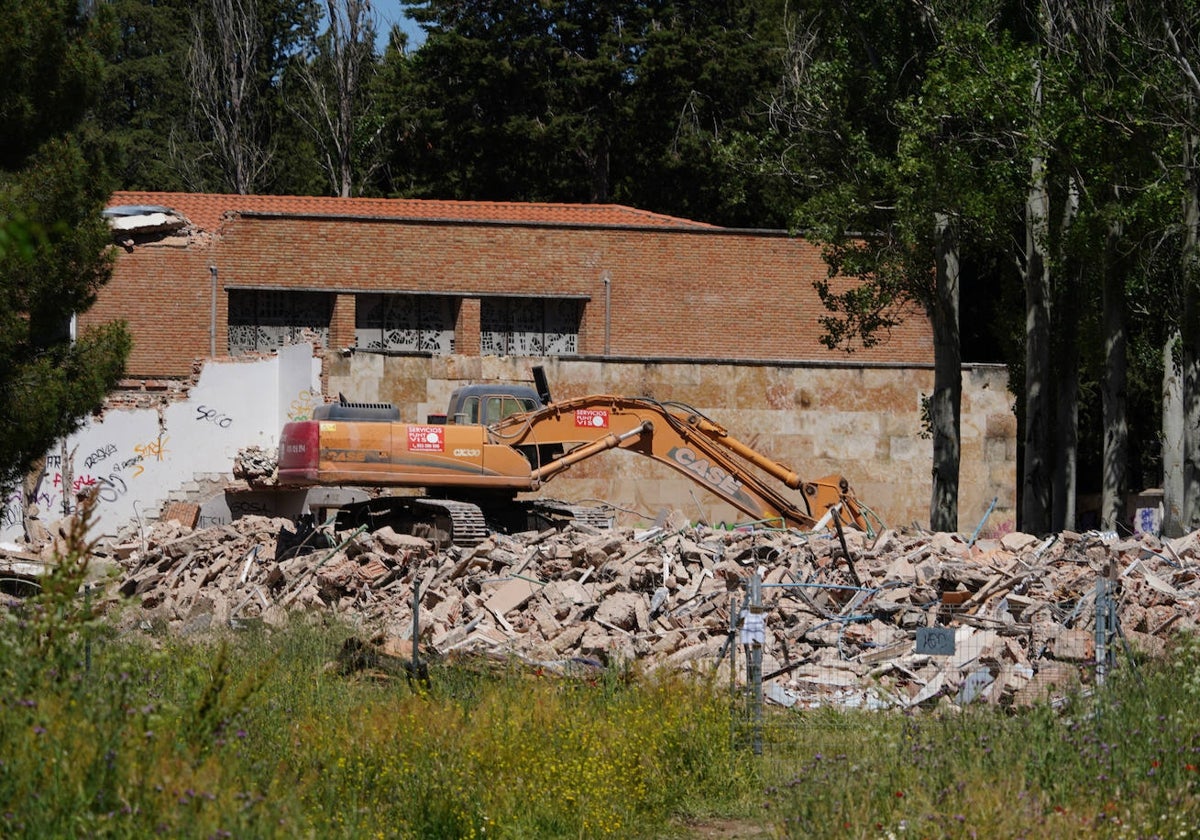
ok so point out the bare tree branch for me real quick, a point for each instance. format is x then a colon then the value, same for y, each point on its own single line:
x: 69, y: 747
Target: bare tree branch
x: 221, y: 70
x: 334, y: 80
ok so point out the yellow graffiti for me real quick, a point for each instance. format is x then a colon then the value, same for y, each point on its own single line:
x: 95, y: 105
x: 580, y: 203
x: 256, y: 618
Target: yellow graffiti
x: 155, y: 450
x: 301, y: 407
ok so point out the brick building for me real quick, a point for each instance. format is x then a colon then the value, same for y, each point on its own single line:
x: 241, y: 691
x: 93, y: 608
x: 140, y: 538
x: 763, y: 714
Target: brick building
x: 209, y: 275
x: 412, y: 298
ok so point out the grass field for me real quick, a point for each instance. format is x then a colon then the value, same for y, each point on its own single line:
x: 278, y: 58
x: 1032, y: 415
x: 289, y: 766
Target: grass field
x: 252, y: 735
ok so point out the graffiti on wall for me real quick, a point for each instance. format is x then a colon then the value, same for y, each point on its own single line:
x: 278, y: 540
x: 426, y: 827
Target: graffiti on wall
x: 58, y: 493
x: 131, y: 465
x: 302, y: 407
x: 211, y: 415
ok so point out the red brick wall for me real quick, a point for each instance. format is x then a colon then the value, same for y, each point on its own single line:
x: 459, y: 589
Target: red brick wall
x: 679, y: 294
x: 164, y: 293
x: 466, y: 330
x: 341, y: 331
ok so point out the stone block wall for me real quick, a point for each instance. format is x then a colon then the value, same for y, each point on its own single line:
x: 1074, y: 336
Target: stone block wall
x: 860, y: 421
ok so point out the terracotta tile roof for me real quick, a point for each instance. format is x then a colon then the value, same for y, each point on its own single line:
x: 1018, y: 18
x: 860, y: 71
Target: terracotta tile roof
x: 206, y: 210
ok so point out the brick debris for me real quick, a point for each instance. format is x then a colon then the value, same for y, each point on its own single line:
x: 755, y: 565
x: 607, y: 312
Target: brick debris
x: 841, y: 626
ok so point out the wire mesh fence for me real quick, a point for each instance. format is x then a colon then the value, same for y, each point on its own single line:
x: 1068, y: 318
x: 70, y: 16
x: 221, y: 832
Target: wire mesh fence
x: 835, y: 674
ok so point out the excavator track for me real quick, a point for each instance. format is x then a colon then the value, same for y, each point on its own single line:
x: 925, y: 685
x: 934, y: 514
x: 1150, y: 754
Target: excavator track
x: 554, y: 509
x: 467, y: 525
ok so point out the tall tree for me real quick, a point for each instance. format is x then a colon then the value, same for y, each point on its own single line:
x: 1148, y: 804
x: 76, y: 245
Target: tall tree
x: 222, y: 71
x: 916, y: 134
x: 697, y: 95
x: 144, y: 112
x: 335, y: 81
x: 1166, y: 35
x: 1173, y: 29
x: 236, y: 59
x: 1105, y: 155
x: 52, y: 191
x: 622, y: 100
x: 519, y: 101
x: 1036, y: 500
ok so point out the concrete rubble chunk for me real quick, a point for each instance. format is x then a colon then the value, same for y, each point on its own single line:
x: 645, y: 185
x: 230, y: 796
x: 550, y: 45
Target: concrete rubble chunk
x: 1020, y: 610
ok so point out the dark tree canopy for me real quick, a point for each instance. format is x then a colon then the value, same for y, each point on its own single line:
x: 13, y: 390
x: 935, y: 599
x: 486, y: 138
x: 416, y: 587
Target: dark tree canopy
x: 620, y: 101
x: 55, y: 255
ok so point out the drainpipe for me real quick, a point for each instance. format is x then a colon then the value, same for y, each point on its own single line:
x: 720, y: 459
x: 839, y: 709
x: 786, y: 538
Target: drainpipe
x: 212, y: 318
x: 607, y: 278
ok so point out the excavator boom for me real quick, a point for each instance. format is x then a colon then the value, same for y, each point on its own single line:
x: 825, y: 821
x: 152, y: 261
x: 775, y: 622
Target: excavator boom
x: 685, y: 440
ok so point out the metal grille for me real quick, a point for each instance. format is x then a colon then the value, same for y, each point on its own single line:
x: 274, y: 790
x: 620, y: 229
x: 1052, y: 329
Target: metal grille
x: 267, y: 319
x: 416, y: 323
x: 529, y: 326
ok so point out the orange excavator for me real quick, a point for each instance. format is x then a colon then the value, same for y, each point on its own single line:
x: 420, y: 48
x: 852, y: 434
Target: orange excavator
x: 497, y: 441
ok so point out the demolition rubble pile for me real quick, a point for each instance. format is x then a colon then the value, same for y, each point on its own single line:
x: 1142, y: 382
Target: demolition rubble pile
x: 841, y: 625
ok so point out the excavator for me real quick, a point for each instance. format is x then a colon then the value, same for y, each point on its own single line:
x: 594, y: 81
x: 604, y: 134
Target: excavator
x: 497, y: 441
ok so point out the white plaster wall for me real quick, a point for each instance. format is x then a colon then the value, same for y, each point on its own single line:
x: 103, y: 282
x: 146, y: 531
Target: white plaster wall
x: 139, y: 457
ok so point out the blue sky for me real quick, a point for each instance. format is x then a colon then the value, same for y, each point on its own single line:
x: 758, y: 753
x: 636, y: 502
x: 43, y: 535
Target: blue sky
x: 389, y: 12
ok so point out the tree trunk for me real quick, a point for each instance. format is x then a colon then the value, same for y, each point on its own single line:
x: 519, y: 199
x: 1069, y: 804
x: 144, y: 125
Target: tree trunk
x: 221, y: 76
x: 1116, y: 427
x: 1190, y: 273
x: 335, y: 80
x: 945, y: 404
x: 1066, y: 426
x: 1172, y: 437
x: 1035, y: 501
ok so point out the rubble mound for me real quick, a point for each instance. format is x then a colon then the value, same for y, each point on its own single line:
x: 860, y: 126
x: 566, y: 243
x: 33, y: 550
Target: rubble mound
x: 256, y: 466
x: 898, y: 620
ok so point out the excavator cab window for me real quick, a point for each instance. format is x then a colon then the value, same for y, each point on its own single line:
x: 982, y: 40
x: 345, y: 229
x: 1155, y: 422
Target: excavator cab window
x: 492, y: 409
x: 498, y: 407
x: 470, y: 411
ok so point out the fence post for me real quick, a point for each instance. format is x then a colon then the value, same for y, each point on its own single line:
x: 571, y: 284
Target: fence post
x: 1101, y: 629
x: 753, y: 636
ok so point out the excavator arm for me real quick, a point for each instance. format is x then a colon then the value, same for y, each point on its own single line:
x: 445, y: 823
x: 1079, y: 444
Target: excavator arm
x: 685, y: 440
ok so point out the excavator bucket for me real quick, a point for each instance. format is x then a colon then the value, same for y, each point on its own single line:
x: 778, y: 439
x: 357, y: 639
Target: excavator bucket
x: 833, y: 493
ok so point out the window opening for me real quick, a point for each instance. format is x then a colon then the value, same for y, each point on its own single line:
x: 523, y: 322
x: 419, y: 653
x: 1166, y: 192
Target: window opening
x: 415, y: 323
x: 529, y: 326
x: 267, y: 319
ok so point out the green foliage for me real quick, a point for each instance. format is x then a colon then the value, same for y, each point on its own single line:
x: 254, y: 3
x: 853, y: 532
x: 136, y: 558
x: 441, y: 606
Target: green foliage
x: 52, y: 191
x: 1124, y: 762
x: 52, y: 73
x: 621, y: 101
x: 144, y: 112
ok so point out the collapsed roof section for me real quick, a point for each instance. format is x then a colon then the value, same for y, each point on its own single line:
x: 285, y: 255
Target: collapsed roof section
x: 143, y: 219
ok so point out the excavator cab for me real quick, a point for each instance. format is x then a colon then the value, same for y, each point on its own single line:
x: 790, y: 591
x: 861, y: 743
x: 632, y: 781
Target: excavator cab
x: 483, y: 405
x: 492, y: 409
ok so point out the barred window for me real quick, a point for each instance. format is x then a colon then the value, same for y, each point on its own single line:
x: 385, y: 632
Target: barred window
x: 529, y: 326
x: 405, y: 322
x: 267, y: 319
